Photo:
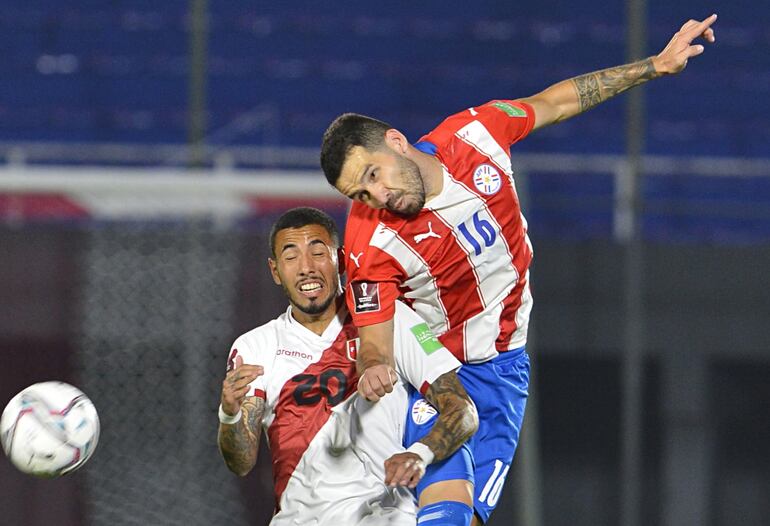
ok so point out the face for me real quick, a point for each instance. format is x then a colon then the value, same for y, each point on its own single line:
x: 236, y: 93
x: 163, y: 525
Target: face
x: 305, y: 265
x: 383, y: 179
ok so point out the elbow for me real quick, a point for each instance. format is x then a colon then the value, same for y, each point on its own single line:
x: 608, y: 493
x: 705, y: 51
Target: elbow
x: 237, y: 461
x: 242, y: 472
x: 470, y: 419
x: 239, y: 469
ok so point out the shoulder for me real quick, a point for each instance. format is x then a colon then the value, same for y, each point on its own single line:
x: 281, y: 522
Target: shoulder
x: 449, y: 126
x: 496, y: 113
x: 362, y: 224
x: 361, y: 216
x: 260, y: 339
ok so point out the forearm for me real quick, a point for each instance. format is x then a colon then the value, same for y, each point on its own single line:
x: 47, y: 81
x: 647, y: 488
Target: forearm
x: 573, y: 96
x: 457, y: 420
x: 376, y: 345
x: 239, y: 442
x: 370, y: 353
x: 594, y: 88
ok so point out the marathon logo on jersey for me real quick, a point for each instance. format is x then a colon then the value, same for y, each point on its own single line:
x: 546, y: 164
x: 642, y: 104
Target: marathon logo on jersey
x: 509, y: 109
x: 352, y: 348
x: 425, y: 338
x: 366, y: 296
x: 487, y: 179
x: 422, y: 412
x: 294, y: 354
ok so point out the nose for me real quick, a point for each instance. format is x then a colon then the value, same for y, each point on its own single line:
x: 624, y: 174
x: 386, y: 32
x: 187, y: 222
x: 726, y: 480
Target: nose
x: 306, y: 262
x: 380, y: 195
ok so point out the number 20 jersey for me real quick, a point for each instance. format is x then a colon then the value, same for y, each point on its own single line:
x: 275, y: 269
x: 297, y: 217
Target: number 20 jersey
x: 306, y: 378
x: 462, y: 262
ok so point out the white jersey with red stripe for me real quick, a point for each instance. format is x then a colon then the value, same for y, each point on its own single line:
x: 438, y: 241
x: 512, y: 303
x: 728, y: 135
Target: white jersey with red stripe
x: 462, y: 262
x: 322, y: 474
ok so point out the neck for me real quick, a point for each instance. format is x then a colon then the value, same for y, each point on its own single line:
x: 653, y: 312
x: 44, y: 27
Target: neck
x: 318, y: 322
x: 431, y: 171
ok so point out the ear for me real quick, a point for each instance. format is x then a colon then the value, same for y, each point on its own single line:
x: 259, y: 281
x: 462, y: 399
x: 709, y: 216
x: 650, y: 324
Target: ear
x: 396, y: 141
x: 341, y: 260
x: 274, y: 270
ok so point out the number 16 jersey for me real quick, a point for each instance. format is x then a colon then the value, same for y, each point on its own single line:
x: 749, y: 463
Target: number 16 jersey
x: 462, y: 262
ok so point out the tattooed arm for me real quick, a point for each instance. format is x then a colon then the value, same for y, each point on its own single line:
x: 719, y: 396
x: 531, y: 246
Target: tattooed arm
x: 239, y: 441
x: 457, y: 417
x: 576, y: 95
x: 457, y: 421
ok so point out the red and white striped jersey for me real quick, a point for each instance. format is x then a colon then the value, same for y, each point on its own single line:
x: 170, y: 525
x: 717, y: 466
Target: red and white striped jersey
x: 307, y: 379
x: 462, y: 262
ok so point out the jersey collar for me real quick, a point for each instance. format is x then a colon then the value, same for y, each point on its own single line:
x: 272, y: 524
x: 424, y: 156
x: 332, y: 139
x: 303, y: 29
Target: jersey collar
x: 330, y: 332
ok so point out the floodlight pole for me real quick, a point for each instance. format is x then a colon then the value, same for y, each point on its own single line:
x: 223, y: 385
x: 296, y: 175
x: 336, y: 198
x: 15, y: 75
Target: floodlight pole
x: 196, y: 110
x: 632, y: 370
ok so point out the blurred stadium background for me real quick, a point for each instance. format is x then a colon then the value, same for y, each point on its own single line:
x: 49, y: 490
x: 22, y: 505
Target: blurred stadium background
x: 147, y: 146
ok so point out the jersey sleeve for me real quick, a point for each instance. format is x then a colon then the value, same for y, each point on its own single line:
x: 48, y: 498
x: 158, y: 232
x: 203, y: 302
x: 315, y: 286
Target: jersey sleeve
x: 508, y: 121
x: 373, y: 276
x: 420, y: 357
x: 244, y: 347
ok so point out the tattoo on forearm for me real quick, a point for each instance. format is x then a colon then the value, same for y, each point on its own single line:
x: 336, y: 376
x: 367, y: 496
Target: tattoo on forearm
x: 239, y: 442
x: 596, y: 87
x: 457, y: 419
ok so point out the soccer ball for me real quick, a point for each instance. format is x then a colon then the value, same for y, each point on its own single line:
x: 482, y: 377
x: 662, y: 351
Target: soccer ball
x: 49, y: 429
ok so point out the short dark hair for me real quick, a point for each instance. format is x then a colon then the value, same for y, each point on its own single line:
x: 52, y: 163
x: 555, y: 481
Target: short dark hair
x: 345, y: 132
x: 303, y: 216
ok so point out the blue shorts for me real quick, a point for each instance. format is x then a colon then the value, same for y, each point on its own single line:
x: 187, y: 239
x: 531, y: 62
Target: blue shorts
x: 498, y: 387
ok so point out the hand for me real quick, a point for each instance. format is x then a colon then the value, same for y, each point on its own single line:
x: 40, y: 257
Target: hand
x: 236, y: 385
x: 404, y: 469
x: 376, y: 381
x: 673, y: 58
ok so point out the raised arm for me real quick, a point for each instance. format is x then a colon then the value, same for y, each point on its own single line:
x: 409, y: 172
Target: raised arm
x: 570, y: 97
x: 238, y: 437
x: 457, y: 421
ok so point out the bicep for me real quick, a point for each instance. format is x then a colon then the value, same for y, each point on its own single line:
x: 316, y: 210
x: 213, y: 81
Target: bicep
x: 253, y: 408
x: 547, y: 111
x: 555, y: 103
x: 447, y: 392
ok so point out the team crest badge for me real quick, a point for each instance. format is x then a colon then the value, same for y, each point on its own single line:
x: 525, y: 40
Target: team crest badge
x: 352, y: 348
x: 422, y: 412
x: 487, y: 179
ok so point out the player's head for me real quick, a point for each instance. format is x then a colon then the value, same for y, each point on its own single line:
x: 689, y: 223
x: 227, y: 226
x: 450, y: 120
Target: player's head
x: 365, y: 159
x: 304, y: 243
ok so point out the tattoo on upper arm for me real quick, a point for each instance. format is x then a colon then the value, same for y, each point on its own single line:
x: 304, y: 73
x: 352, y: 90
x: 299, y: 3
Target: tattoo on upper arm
x: 457, y: 419
x: 596, y: 87
x: 253, y: 409
x: 239, y: 442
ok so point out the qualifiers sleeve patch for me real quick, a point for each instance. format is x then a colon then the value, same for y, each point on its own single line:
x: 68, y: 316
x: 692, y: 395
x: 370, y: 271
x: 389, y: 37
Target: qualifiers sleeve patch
x: 426, y: 339
x: 366, y: 296
x: 510, y: 110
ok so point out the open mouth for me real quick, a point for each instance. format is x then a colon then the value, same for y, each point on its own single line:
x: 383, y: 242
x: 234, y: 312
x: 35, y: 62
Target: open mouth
x: 311, y: 289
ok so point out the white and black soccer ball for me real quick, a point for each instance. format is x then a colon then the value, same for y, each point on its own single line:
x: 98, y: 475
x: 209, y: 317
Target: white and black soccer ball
x: 49, y: 429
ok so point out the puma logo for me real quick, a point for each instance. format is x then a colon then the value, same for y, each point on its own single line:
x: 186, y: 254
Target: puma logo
x: 356, y: 258
x: 430, y: 233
